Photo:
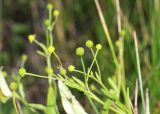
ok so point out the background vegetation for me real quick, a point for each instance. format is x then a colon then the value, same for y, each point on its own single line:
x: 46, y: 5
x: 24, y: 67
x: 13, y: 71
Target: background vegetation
x: 78, y: 22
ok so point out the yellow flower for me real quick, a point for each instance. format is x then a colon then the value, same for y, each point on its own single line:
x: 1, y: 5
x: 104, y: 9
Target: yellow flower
x: 51, y: 49
x: 31, y: 37
x: 56, y: 13
x: 5, y: 92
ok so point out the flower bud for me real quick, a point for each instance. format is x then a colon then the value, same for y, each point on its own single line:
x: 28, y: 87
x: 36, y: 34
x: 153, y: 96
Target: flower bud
x: 31, y: 37
x: 49, y: 71
x: 22, y: 72
x: 56, y: 13
x: 13, y: 86
x: 49, y: 6
x: 89, y: 43
x: 71, y: 68
x: 99, y: 46
x: 80, y: 51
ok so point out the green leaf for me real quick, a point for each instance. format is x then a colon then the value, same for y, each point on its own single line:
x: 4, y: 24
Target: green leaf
x: 69, y: 102
x: 79, y: 82
x: 37, y: 106
x: 51, y: 101
x: 113, y: 84
x: 21, y: 91
x: 107, y: 106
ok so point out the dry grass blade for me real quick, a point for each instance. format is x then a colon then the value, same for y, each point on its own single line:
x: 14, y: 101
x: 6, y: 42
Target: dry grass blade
x: 139, y: 70
x: 104, y: 25
x: 136, y: 98
x: 147, y: 103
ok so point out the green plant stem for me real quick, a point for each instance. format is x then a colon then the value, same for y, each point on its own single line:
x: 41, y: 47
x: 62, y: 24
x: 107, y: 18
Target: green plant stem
x: 39, y: 76
x: 86, y: 84
x: 94, y: 59
x: 14, y: 102
x: 99, y: 72
x: 139, y: 70
x: 58, y: 59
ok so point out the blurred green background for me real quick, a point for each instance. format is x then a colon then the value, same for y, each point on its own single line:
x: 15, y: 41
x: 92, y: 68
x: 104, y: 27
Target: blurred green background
x: 78, y: 22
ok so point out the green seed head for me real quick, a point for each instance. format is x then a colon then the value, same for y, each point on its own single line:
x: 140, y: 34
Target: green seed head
x: 56, y: 13
x: 71, y: 68
x: 123, y: 33
x: 49, y: 71
x: 22, y: 72
x: 13, y: 86
x: 49, y: 6
x: 51, y: 49
x: 47, y: 23
x: 24, y: 57
x: 4, y: 74
x: 99, y: 46
x: 80, y: 51
x: 89, y: 43
x: 63, y: 71
x: 31, y: 37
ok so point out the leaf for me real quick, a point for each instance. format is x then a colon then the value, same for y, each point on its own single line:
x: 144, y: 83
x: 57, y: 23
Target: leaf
x: 51, y: 101
x: 69, y: 102
x: 21, y: 90
x: 5, y: 92
x: 37, y: 106
x: 113, y: 84
x: 79, y: 82
x: 106, y: 107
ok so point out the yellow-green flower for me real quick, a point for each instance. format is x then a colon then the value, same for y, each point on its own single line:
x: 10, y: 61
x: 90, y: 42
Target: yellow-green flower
x: 99, y: 46
x: 80, y: 51
x: 13, y: 86
x: 49, y: 6
x: 31, y: 37
x: 51, y: 49
x: 89, y: 43
x: 5, y: 92
x: 49, y: 71
x: 56, y: 13
x: 71, y: 68
x: 22, y: 72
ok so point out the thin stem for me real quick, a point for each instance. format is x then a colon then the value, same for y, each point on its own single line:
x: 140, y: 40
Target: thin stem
x: 86, y: 84
x: 99, y: 72
x: 94, y: 59
x: 58, y: 59
x: 84, y: 70
x: 39, y: 76
x: 14, y: 102
x: 139, y: 69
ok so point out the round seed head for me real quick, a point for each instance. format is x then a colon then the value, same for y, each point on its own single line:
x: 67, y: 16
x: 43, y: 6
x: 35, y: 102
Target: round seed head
x: 22, y: 72
x: 99, y: 46
x: 47, y: 22
x: 123, y: 33
x: 51, y: 49
x: 89, y: 43
x: 31, y: 37
x: 24, y: 57
x: 49, y: 71
x: 56, y: 13
x: 80, y: 51
x: 13, y: 86
x: 49, y: 6
x: 71, y: 68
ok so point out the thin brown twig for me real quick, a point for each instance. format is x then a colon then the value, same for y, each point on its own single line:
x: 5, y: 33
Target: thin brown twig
x: 105, y: 28
x: 136, y: 98
x: 147, y: 103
